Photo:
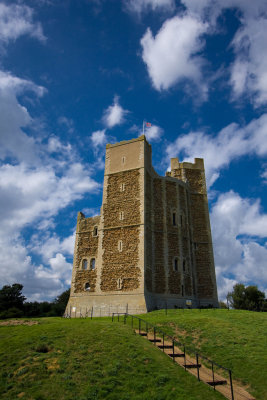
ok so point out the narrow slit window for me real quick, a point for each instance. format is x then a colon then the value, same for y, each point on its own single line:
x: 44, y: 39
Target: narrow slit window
x: 175, y: 264
x: 95, y: 231
x: 87, y: 286
x: 184, y: 265
x: 119, y: 284
x: 182, y: 290
x: 120, y: 245
x: 122, y: 187
x: 123, y: 160
x: 121, y: 215
x: 174, y: 218
x: 84, y: 264
x: 92, y: 264
x: 181, y: 220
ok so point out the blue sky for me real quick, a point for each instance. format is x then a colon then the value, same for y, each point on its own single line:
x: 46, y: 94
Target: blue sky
x: 76, y: 75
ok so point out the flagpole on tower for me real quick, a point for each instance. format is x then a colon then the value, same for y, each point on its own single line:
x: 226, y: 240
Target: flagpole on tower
x: 143, y: 127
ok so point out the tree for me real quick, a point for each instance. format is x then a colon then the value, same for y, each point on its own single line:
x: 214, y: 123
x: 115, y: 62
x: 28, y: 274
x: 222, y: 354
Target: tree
x: 60, y: 303
x: 11, y: 297
x: 247, y: 298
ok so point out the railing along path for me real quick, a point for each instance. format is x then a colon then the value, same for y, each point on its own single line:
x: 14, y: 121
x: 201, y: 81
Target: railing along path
x: 187, y: 357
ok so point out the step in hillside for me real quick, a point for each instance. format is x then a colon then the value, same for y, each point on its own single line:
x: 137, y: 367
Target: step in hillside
x: 201, y: 372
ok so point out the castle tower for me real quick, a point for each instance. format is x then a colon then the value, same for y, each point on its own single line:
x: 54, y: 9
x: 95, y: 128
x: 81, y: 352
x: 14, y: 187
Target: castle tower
x: 151, y: 246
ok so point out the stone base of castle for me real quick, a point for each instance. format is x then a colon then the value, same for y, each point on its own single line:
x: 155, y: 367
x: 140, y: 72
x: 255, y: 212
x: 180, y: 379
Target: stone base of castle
x: 138, y: 303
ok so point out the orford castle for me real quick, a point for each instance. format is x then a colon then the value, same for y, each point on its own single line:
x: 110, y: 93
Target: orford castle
x: 151, y: 245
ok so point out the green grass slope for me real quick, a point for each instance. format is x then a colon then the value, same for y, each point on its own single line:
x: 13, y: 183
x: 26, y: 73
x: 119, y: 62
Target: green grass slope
x: 88, y: 360
x: 235, y: 339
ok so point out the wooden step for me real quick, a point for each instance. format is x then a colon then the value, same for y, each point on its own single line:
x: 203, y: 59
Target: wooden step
x: 215, y: 383
x: 176, y: 355
x: 143, y: 334
x: 155, y: 340
x: 192, y: 365
x: 165, y: 346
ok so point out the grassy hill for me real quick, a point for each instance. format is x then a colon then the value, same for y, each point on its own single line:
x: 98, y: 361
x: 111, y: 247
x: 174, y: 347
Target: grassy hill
x: 83, y: 359
x: 235, y: 339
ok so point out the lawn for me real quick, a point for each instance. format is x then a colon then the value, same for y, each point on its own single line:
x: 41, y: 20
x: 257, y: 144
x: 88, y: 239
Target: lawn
x: 235, y: 339
x: 83, y: 359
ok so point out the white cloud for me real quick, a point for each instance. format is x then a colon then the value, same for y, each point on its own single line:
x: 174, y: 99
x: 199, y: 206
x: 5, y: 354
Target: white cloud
x: 248, y: 71
x: 114, y: 114
x: 48, y: 245
x: 230, y: 143
x: 153, y: 133
x: 173, y: 54
x: 17, y: 20
x: 37, y: 180
x: 139, y: 6
x: 237, y: 224
x: 99, y: 138
x: 67, y: 122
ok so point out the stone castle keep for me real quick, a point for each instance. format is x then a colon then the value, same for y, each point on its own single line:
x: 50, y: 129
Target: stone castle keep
x: 151, y: 245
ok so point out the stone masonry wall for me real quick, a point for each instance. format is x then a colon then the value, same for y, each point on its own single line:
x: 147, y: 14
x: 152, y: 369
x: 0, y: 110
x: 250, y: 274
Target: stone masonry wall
x: 86, y: 249
x: 123, y: 196
x: 126, y: 201
x: 159, y: 283
x: 120, y: 265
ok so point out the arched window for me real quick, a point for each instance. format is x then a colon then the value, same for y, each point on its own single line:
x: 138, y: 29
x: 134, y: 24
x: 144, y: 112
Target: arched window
x: 87, y: 286
x: 120, y: 245
x: 175, y: 264
x: 95, y: 231
x: 84, y: 264
x: 92, y: 263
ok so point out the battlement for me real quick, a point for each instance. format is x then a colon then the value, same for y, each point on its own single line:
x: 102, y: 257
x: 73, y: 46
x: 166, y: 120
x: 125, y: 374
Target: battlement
x: 127, y: 142
x: 198, y: 164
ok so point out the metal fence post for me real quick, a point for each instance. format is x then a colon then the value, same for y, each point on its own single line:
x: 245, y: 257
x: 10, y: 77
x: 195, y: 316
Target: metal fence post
x: 163, y: 344
x: 184, y: 359
x: 197, y: 366
x: 231, y: 384
x: 132, y: 321
x: 212, y: 375
x: 154, y: 336
x: 173, y: 351
x: 139, y: 325
x: 92, y: 312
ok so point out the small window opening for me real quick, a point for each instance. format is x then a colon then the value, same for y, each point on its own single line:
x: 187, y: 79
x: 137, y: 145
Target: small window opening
x: 119, y: 283
x: 174, y: 218
x: 175, y: 264
x: 182, y: 290
x: 184, y: 265
x: 123, y: 160
x: 120, y: 245
x: 95, y: 231
x: 195, y: 246
x: 92, y: 263
x: 87, y: 286
x: 121, y: 215
x: 84, y: 264
x: 122, y: 187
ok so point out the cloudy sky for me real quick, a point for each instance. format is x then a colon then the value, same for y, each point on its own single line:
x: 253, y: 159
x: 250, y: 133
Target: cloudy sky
x: 77, y: 74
